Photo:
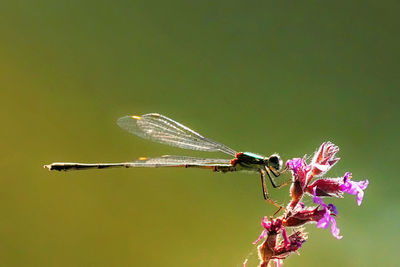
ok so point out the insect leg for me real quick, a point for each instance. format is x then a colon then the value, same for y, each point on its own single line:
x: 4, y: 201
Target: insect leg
x: 274, y: 171
x: 268, y: 171
x: 265, y: 192
x: 277, y: 173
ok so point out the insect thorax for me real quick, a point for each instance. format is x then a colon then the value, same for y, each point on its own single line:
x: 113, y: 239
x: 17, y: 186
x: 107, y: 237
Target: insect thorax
x: 248, y: 161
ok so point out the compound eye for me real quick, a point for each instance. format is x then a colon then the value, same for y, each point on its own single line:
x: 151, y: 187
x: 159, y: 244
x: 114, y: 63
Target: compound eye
x: 275, y: 162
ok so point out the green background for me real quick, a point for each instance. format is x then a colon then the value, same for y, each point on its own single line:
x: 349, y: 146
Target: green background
x: 259, y: 76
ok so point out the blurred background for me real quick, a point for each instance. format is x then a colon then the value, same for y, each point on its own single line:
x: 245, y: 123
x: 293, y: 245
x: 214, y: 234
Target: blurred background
x: 258, y: 76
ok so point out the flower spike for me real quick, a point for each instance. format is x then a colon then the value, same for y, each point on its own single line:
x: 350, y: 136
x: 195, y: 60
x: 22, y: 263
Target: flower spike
x: 279, y: 240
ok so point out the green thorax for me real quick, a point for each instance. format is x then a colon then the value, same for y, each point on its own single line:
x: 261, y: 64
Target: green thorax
x: 252, y: 155
x: 249, y: 161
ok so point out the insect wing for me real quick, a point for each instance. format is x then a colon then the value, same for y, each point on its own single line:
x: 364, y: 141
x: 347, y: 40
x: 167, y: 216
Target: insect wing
x: 161, y: 129
x: 179, y: 161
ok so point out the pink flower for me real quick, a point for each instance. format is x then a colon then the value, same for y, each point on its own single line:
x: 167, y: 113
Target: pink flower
x: 302, y: 173
x: 354, y: 188
x: 300, y: 170
x: 335, y: 187
x: 270, y: 227
x: 295, y: 240
x: 277, y: 244
x: 326, y: 187
x: 324, y: 159
x: 302, y: 215
x: 327, y: 219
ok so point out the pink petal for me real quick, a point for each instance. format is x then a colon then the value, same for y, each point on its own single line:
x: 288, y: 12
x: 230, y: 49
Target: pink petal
x: 278, y: 262
x: 262, y: 236
x: 334, y: 229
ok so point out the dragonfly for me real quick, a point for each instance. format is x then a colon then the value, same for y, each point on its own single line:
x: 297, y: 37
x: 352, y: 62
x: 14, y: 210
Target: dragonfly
x: 161, y: 129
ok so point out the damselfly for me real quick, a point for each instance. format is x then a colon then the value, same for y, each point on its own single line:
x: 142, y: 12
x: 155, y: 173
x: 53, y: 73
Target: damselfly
x: 161, y: 129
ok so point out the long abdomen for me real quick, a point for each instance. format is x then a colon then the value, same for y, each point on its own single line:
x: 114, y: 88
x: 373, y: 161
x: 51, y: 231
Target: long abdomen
x: 66, y: 166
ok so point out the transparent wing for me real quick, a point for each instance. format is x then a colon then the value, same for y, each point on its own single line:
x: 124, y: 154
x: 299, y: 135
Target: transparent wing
x: 179, y: 161
x: 161, y: 129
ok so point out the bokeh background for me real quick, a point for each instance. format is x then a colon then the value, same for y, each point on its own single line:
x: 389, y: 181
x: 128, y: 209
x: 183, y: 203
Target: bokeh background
x: 258, y: 76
